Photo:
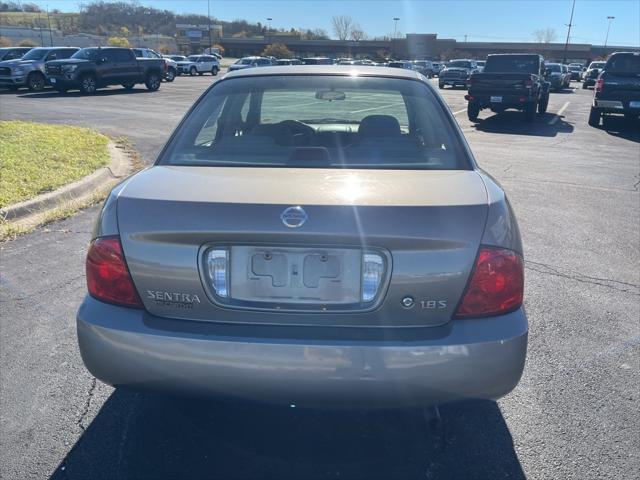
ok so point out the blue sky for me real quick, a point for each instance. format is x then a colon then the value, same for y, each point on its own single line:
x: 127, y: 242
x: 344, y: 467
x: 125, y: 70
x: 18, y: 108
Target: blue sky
x: 498, y: 20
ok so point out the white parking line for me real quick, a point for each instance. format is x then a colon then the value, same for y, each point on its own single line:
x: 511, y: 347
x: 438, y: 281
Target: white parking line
x: 560, y: 112
x: 377, y: 108
x: 459, y: 111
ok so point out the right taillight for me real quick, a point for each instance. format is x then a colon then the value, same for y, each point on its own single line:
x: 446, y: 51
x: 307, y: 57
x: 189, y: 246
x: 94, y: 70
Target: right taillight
x: 108, y: 277
x: 599, y: 85
x: 496, y: 285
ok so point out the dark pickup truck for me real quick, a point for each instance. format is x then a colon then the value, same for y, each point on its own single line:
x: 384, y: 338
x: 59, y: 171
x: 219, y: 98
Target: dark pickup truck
x: 617, y: 88
x: 93, y: 68
x: 509, y: 81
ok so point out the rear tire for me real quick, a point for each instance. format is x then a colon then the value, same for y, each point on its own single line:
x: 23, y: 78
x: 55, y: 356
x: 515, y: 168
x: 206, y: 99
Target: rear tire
x: 473, y: 110
x: 170, y: 75
x: 529, y: 112
x: 36, y: 82
x: 88, y: 84
x: 128, y: 86
x: 441, y: 86
x: 214, y: 71
x: 193, y: 71
x: 153, y: 81
x: 584, y: 85
x: 594, y: 117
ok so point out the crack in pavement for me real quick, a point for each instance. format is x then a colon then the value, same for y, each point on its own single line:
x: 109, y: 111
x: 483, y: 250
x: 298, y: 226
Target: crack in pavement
x: 87, y: 404
x: 620, y: 286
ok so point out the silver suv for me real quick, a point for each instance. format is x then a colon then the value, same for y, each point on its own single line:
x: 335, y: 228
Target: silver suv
x: 28, y: 71
x: 199, y: 64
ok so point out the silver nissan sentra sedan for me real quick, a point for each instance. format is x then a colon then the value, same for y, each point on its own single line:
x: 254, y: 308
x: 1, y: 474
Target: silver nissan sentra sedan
x: 312, y: 235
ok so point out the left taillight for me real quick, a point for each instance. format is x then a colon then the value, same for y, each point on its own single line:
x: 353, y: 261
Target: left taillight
x: 496, y: 285
x: 108, y: 277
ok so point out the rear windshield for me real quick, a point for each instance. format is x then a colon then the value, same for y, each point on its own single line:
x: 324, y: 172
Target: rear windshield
x: 319, y: 121
x: 624, y: 64
x: 554, y: 67
x: 511, y: 64
x: 597, y: 65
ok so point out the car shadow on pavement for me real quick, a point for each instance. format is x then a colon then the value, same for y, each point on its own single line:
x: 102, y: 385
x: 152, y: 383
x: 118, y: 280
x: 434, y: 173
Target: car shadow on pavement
x: 138, y: 436
x: 99, y: 93
x: 513, y: 123
x: 617, y: 126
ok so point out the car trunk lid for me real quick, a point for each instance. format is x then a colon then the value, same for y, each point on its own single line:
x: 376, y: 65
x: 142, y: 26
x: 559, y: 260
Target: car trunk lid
x: 426, y: 225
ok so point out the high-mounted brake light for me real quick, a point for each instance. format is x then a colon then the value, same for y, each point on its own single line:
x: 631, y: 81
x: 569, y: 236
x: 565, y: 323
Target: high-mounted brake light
x: 108, y: 278
x: 496, y: 285
x: 599, y: 85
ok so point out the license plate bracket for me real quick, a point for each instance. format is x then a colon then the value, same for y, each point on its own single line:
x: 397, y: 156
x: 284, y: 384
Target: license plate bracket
x: 634, y: 104
x: 295, y: 276
x: 496, y: 99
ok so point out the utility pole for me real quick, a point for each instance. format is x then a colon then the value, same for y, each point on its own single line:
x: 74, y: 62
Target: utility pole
x: 209, y: 20
x: 606, y: 39
x: 49, y: 22
x: 566, y: 44
x: 465, y: 38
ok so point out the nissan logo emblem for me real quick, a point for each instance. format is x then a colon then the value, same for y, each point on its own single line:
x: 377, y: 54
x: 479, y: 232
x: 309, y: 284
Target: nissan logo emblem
x: 294, y: 217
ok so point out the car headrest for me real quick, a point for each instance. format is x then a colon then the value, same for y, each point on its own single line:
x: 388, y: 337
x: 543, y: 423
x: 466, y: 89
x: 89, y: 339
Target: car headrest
x: 379, y: 126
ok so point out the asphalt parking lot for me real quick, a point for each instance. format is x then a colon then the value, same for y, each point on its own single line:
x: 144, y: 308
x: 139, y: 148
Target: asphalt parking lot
x: 575, y: 190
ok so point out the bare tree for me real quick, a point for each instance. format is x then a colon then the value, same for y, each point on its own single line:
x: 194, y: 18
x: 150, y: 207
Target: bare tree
x: 357, y: 33
x: 342, y: 25
x: 545, y: 35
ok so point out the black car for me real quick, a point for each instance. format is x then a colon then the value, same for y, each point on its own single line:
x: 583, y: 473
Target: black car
x: 93, y: 68
x: 591, y: 74
x: 617, y: 88
x: 509, y: 81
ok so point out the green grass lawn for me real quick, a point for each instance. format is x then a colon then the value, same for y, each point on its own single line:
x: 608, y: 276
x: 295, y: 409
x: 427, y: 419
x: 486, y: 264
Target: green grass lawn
x: 36, y: 158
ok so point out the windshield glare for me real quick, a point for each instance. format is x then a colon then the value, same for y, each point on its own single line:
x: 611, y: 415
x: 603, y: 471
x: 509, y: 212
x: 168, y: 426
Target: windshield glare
x: 35, y: 54
x: 318, y: 121
x: 554, y: 67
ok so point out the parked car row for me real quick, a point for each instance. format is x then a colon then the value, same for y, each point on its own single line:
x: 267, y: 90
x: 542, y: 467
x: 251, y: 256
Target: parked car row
x: 87, y: 69
x: 523, y: 82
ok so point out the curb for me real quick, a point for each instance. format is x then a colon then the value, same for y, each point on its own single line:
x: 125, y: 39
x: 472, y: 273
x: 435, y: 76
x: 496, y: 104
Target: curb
x: 120, y: 167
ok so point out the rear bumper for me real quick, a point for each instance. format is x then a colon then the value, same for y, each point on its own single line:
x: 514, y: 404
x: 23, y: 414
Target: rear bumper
x: 616, y: 106
x: 479, y: 358
x: 507, y: 101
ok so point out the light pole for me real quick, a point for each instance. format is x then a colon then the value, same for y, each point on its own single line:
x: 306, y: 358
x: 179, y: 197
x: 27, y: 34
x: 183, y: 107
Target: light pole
x: 566, y: 44
x: 606, y: 39
x: 209, y: 25
x: 269, y: 29
x: 49, y: 22
x: 395, y: 32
